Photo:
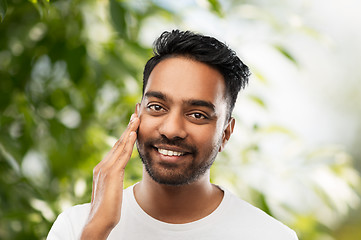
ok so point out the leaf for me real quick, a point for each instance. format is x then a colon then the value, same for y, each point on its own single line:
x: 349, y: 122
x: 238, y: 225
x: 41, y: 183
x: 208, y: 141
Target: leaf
x: 263, y: 204
x: 42, y: 6
x: 10, y: 159
x: 286, y: 53
x: 258, y: 101
x: 279, y: 129
x: 216, y: 7
x: 3, y: 9
x: 118, y: 15
x: 75, y: 59
x: 259, y: 76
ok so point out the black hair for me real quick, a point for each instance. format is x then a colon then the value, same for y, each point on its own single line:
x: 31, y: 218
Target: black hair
x: 204, y: 49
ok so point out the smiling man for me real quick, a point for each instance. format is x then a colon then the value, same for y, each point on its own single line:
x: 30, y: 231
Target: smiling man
x: 190, y: 86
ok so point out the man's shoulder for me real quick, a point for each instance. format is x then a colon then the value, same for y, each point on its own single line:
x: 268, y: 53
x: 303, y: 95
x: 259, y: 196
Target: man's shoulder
x: 82, y: 210
x: 75, y: 215
x: 244, y: 209
x: 246, y: 216
x: 69, y: 223
x: 79, y: 210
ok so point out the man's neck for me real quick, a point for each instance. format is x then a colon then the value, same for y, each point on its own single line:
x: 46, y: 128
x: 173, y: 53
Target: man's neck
x: 178, y: 204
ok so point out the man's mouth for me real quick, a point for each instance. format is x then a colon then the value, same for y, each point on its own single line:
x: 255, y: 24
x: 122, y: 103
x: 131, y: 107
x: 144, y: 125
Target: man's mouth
x: 170, y: 152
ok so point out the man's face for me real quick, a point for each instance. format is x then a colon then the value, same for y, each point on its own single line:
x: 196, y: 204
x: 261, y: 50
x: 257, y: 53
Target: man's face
x: 182, y: 120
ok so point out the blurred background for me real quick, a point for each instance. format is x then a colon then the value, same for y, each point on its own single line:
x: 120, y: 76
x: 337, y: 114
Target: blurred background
x: 70, y: 76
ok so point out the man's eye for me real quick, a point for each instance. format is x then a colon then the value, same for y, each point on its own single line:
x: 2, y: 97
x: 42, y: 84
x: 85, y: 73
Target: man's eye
x: 198, y: 116
x: 155, y: 107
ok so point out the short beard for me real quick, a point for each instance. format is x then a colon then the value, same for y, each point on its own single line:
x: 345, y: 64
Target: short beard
x: 167, y: 174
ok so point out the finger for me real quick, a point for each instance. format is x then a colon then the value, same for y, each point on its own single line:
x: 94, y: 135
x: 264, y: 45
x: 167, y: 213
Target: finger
x: 93, y: 191
x: 130, y: 127
x: 128, y: 139
x: 133, y: 124
x: 95, y: 181
x: 127, y: 151
x: 118, y: 147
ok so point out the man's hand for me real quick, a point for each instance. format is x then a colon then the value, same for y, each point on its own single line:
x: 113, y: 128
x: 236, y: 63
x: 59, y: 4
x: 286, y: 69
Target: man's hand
x: 107, y: 191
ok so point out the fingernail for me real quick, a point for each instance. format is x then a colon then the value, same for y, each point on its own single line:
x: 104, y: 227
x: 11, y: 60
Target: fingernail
x: 132, y: 117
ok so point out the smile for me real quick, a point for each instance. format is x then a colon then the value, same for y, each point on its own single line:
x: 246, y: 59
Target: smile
x: 170, y: 153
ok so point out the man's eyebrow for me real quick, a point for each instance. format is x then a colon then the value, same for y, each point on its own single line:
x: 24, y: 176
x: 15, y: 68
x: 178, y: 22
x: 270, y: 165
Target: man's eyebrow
x: 190, y: 102
x: 156, y: 94
x: 201, y: 103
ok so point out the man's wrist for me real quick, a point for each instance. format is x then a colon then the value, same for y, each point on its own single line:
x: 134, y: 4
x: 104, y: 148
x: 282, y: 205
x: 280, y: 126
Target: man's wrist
x: 96, y: 231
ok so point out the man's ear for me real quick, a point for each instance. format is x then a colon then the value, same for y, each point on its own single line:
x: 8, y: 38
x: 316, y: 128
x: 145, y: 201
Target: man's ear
x: 227, y: 132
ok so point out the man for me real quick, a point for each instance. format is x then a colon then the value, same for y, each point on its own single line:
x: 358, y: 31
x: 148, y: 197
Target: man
x: 184, y: 119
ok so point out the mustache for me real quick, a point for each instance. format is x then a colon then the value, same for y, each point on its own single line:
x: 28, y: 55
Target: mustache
x: 177, y: 142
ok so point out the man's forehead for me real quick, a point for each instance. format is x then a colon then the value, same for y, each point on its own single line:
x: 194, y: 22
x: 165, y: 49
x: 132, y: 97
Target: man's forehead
x: 186, y: 77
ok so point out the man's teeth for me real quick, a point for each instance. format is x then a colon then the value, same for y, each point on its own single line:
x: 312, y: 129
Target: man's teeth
x: 170, y: 153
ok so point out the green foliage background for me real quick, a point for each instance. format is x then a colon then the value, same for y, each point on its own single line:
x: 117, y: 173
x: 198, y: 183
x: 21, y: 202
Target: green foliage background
x: 51, y: 70
x: 67, y: 90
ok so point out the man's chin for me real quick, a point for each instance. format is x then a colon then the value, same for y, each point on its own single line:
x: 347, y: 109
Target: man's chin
x: 171, y: 181
x: 171, y: 177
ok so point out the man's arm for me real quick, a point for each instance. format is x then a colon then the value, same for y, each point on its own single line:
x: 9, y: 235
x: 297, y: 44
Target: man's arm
x: 107, y: 191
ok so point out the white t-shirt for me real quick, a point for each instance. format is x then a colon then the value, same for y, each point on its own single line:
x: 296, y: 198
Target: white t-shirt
x: 233, y: 219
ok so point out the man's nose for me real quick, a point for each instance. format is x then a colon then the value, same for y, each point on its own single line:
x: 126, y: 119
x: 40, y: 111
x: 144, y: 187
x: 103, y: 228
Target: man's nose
x: 173, y: 126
